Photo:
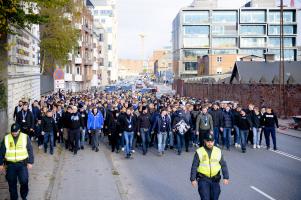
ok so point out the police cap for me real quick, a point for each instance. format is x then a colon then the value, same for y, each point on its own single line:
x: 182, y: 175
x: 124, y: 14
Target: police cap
x: 15, y: 127
x: 209, y: 137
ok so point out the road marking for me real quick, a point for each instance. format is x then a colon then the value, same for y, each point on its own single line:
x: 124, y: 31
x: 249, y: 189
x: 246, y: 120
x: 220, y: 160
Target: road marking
x: 285, y: 154
x: 261, y: 192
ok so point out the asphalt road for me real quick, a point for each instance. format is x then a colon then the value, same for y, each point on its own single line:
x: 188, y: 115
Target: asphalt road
x: 257, y: 175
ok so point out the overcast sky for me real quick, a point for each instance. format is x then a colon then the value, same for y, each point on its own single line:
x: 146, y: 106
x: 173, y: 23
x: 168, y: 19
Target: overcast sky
x: 154, y: 19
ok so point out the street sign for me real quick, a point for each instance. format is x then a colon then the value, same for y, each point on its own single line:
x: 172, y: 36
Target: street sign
x: 58, y: 74
x: 59, y: 84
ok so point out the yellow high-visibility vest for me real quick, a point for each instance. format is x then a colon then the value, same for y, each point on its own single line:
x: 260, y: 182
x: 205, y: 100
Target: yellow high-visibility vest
x: 16, y: 152
x: 209, y: 167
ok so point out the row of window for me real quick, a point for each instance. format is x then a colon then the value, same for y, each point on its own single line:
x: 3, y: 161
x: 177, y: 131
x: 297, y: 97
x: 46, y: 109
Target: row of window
x: 246, y: 16
x: 199, y: 31
x: 245, y: 42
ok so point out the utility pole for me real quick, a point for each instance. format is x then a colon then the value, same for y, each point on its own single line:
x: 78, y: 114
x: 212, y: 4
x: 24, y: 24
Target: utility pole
x: 282, y: 103
x: 142, y: 37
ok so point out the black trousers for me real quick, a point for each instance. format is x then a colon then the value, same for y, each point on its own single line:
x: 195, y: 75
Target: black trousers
x: 15, y: 172
x: 74, y: 139
x: 202, y: 134
x: 187, y: 137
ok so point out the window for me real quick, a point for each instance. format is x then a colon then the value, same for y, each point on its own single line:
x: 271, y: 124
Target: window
x: 256, y: 52
x: 103, y: 21
x: 190, y: 66
x: 109, y: 47
x: 197, y: 17
x: 252, y: 30
x: 224, y: 29
x: 224, y: 16
x: 289, y: 54
x: 224, y: 51
x: 287, y: 30
x: 223, y: 42
x: 109, y: 29
x: 219, y: 59
x: 77, y: 70
x: 100, y: 37
x: 95, y: 12
x: 110, y: 64
x: 192, y: 54
x: 275, y: 42
x: 248, y: 16
x: 198, y: 42
x: 274, y: 16
x: 196, y: 30
x: 252, y: 42
x: 219, y: 71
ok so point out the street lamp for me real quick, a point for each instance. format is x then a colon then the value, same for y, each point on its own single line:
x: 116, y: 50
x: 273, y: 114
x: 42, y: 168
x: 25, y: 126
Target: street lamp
x: 282, y: 104
x: 142, y: 37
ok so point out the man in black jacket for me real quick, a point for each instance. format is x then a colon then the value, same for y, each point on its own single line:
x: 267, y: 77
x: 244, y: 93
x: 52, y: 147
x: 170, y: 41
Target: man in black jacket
x: 18, y: 108
x: 25, y: 120
x: 48, y: 130
x: 75, y: 123
x: 144, y: 124
x: 244, y: 125
x: 270, y: 121
x: 217, y: 117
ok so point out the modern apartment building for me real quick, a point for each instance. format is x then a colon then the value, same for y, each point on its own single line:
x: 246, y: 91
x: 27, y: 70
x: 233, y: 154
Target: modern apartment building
x: 105, y: 14
x: 78, y: 73
x: 199, y: 31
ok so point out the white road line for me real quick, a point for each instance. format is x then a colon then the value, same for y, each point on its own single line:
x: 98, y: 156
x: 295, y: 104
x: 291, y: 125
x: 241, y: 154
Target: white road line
x: 261, y: 192
x: 285, y: 154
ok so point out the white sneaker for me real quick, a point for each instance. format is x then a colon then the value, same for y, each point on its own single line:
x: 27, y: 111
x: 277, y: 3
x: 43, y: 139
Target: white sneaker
x: 254, y: 146
x: 236, y: 145
x: 41, y: 147
x: 133, y: 151
x: 122, y: 149
x: 258, y: 146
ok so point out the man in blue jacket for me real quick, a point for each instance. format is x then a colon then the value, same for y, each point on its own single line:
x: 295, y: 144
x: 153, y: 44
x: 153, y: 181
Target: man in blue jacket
x: 94, y: 125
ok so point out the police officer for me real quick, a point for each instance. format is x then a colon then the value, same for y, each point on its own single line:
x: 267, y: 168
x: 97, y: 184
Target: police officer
x: 205, y: 171
x: 16, y: 152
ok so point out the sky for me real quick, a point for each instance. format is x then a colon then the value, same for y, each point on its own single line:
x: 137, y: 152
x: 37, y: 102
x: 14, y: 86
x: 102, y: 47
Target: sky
x: 154, y: 19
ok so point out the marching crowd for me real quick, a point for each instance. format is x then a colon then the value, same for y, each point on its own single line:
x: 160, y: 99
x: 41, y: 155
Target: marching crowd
x: 133, y: 121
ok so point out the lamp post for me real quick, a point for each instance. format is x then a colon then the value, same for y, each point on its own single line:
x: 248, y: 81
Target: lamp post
x: 142, y: 37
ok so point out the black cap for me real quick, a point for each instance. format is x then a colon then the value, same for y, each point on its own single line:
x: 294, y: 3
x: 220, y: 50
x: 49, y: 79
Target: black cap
x: 15, y: 128
x: 209, y: 137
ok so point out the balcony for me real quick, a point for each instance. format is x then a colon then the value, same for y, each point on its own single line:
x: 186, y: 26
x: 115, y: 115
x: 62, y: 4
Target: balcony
x: 95, y: 66
x: 78, y: 78
x: 69, y: 56
x: 80, y: 43
x: 78, y: 60
x: 78, y: 26
x: 68, y: 77
x: 68, y: 16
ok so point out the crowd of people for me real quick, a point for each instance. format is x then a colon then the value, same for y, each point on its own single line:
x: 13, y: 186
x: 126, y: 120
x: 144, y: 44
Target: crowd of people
x: 133, y: 121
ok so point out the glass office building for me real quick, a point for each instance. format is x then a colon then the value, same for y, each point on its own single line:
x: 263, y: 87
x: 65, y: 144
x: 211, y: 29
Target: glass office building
x: 248, y: 31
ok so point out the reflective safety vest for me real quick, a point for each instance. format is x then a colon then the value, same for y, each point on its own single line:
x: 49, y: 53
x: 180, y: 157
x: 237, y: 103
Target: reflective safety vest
x: 209, y: 167
x: 16, y: 152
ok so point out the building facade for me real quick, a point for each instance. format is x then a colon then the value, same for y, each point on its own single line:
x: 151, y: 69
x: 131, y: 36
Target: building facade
x: 162, y: 62
x: 105, y: 14
x: 198, y: 31
x: 129, y: 67
x: 23, y: 68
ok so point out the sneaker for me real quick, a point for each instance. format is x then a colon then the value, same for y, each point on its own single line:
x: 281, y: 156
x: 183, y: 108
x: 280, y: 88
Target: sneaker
x: 254, y: 146
x: 275, y: 149
x: 236, y: 145
x: 258, y: 146
x: 41, y: 147
x: 133, y: 151
x: 122, y: 149
x: 96, y: 150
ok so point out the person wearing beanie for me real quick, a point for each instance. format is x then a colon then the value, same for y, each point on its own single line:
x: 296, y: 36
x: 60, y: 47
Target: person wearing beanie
x: 17, y: 154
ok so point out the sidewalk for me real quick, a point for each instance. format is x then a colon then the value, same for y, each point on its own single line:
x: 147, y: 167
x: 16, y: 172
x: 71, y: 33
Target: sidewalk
x: 40, y: 177
x: 286, y: 129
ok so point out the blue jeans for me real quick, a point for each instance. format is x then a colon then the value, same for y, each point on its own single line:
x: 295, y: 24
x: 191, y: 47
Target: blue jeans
x: 170, y: 139
x: 145, y: 139
x: 48, y: 137
x: 256, y: 133
x: 82, y: 137
x: 267, y: 132
x: 244, y: 137
x: 227, y: 137
x: 208, y: 189
x: 128, y: 136
x: 236, y: 136
x: 161, y: 141
x: 216, y: 135
x: 180, y: 142
x: 14, y: 173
